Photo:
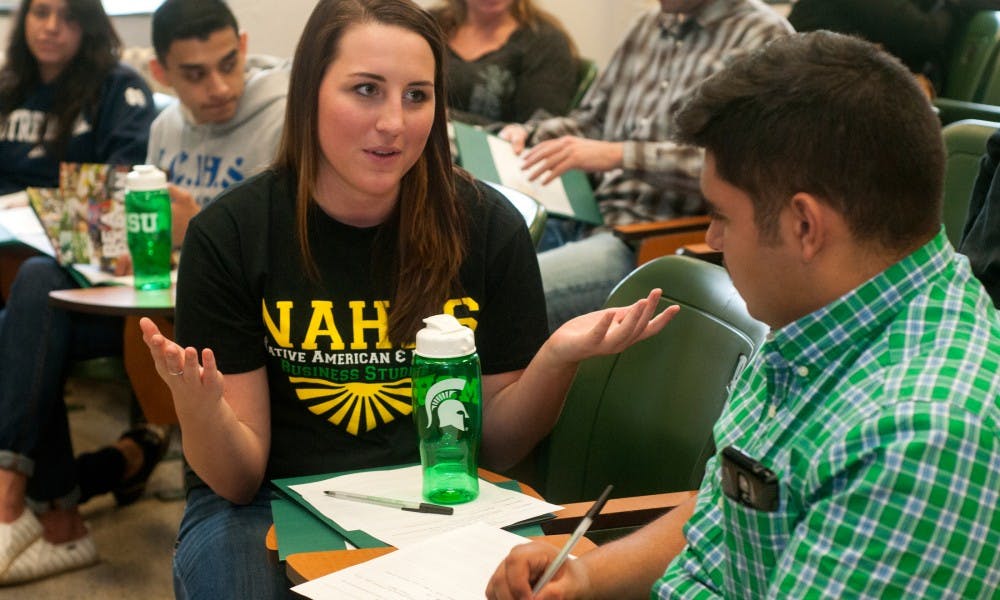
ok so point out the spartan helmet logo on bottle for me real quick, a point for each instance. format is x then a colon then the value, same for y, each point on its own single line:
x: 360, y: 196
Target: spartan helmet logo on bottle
x: 447, y: 407
x: 443, y: 401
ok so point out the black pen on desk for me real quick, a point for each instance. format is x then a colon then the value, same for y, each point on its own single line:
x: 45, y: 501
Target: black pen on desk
x: 581, y: 529
x: 422, y: 507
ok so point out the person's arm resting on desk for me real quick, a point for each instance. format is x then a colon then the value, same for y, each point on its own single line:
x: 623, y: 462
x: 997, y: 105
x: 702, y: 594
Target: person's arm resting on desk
x: 625, y: 568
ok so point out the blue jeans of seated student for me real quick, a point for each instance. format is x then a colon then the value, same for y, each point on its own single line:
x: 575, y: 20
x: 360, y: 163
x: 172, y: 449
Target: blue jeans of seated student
x: 220, y: 550
x: 578, y: 276
x: 559, y: 231
x: 38, y: 343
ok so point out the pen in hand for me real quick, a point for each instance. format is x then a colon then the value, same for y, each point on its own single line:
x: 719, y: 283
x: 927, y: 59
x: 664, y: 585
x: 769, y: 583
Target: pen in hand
x: 421, y: 507
x: 582, y: 528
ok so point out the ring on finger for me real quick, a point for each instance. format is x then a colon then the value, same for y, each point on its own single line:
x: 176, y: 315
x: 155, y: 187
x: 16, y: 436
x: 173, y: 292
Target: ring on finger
x: 181, y: 372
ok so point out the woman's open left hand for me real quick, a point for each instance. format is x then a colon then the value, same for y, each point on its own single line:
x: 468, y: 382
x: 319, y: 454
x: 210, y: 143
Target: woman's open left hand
x: 610, y: 330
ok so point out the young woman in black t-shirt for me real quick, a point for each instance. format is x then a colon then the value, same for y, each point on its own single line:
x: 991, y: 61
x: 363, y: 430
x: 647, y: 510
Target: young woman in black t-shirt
x: 333, y: 257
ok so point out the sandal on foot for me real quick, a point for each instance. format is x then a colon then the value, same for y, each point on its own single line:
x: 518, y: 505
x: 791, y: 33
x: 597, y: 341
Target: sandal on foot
x: 43, y: 559
x: 17, y: 536
x: 154, y: 446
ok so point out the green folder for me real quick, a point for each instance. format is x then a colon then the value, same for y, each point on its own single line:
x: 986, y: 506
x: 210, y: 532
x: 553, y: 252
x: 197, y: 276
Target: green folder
x: 476, y: 158
x: 300, y: 527
x: 299, y: 530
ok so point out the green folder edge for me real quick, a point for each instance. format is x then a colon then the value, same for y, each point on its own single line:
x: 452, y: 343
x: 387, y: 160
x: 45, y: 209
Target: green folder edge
x: 7, y: 238
x: 298, y: 525
x: 477, y: 159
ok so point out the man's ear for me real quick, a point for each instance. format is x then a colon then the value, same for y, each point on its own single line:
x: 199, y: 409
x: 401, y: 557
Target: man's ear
x: 158, y: 72
x: 243, y: 43
x: 810, y: 226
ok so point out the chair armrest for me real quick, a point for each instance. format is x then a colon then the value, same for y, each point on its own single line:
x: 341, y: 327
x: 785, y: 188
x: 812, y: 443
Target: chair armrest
x: 638, y: 231
x: 950, y: 110
x: 659, y: 238
x: 633, y: 511
x: 701, y: 251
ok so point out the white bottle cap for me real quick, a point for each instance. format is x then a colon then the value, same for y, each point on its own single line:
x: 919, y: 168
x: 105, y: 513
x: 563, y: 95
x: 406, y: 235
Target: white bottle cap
x: 445, y: 337
x: 144, y: 178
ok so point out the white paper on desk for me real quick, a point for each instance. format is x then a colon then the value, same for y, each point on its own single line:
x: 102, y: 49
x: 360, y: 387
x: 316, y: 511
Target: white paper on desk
x: 495, y: 506
x: 551, y: 195
x: 13, y: 200
x: 455, y: 565
x: 23, y: 224
x: 97, y: 276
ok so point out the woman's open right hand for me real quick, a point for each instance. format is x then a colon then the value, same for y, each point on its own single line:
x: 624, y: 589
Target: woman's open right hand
x: 179, y: 368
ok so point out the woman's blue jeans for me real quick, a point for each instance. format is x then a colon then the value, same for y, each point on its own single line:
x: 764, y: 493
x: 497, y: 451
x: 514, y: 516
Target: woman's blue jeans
x: 220, y: 550
x: 38, y: 344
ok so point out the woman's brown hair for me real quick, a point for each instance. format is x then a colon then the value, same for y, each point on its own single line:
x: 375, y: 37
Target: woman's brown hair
x: 429, y: 224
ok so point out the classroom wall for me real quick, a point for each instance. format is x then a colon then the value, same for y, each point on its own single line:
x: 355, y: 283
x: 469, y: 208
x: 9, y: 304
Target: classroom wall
x: 274, y: 27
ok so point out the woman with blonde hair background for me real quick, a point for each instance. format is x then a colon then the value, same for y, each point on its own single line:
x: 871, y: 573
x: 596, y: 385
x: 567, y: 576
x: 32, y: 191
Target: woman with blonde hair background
x: 507, y: 59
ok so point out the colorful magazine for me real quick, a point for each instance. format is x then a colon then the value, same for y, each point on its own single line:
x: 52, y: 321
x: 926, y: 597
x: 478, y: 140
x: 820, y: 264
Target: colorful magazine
x: 85, y: 217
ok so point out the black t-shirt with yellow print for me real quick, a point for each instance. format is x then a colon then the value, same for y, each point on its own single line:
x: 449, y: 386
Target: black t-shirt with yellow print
x: 340, y: 394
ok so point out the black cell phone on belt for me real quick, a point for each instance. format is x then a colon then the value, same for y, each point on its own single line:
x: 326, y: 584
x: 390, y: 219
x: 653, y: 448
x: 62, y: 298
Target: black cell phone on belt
x: 748, y: 482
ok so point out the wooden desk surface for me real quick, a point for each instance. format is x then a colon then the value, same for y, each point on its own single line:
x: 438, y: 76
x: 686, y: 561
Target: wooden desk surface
x: 116, y: 300
x: 307, y: 566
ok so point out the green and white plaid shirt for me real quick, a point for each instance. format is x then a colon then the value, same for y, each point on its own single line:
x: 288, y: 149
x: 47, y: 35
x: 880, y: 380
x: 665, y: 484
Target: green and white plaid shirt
x: 880, y: 415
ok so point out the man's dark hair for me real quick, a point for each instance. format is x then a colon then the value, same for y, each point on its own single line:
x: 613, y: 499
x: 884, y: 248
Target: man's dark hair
x: 829, y: 115
x: 186, y: 19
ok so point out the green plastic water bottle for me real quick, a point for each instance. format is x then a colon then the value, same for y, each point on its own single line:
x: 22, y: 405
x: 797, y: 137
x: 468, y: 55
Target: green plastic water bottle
x: 447, y: 407
x: 147, y: 226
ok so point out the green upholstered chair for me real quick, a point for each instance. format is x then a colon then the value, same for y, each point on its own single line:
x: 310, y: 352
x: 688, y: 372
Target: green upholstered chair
x: 965, y: 144
x: 586, y: 74
x: 533, y: 212
x: 972, y: 82
x: 642, y: 420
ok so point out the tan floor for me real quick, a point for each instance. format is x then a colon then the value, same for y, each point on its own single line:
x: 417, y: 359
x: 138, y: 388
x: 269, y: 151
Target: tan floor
x: 134, y: 542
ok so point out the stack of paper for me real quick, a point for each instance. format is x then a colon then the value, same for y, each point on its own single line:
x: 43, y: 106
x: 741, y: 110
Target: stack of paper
x: 455, y: 565
x: 495, y: 506
x: 20, y: 225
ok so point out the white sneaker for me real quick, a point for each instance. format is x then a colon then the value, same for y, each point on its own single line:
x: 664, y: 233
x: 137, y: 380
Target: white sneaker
x: 15, y: 537
x: 43, y: 559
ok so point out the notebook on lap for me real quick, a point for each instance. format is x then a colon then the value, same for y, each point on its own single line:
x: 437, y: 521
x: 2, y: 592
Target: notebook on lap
x: 492, y: 159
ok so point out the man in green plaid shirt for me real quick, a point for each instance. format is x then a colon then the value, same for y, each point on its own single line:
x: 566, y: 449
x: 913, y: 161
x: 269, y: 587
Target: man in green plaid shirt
x: 875, y: 402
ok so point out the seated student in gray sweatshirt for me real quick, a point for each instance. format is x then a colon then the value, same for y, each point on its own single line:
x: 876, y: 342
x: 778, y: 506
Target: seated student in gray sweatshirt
x: 226, y: 126
x: 228, y: 122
